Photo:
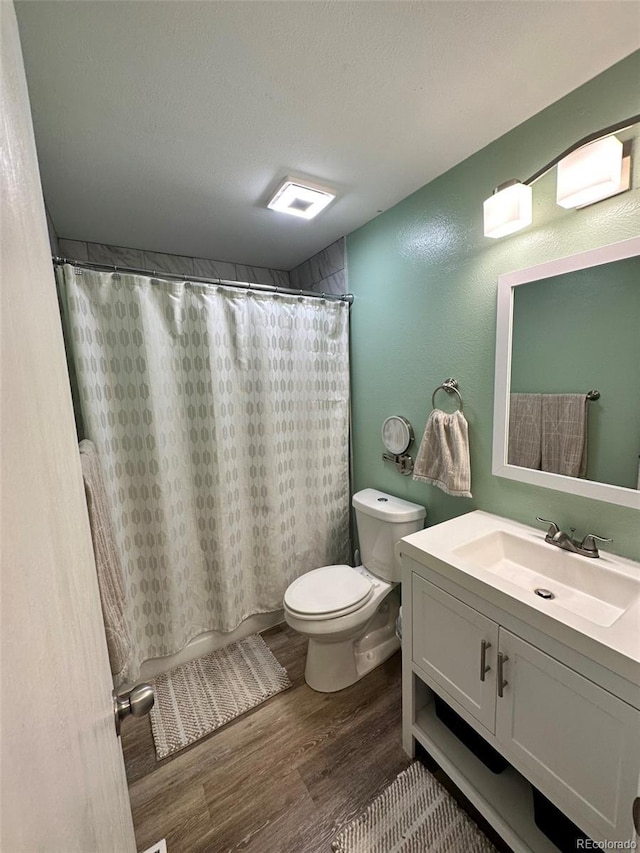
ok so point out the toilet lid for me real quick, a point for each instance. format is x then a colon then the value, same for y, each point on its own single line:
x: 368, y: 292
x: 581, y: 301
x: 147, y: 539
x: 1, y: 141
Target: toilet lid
x: 328, y: 590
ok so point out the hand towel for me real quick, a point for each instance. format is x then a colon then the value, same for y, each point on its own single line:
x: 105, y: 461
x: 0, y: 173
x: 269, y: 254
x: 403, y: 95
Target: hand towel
x: 564, y: 434
x: 108, y: 566
x: 525, y: 430
x: 443, y: 457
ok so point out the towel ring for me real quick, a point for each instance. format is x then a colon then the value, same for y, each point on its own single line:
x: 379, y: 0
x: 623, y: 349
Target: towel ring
x: 451, y: 387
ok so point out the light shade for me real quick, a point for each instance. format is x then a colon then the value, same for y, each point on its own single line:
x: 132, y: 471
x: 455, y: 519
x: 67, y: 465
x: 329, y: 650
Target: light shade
x: 507, y: 210
x: 301, y: 199
x: 591, y: 173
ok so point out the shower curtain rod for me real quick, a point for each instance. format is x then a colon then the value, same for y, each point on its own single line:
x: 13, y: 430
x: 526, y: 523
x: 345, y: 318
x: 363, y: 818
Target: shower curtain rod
x: 245, y: 285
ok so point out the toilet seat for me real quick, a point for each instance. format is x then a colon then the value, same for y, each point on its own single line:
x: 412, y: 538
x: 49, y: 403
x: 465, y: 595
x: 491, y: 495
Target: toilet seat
x: 328, y: 592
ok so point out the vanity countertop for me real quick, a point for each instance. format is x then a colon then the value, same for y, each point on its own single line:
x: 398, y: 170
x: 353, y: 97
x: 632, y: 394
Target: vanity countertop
x: 596, y: 605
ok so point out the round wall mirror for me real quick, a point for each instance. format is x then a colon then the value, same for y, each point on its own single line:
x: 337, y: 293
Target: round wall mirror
x: 397, y: 435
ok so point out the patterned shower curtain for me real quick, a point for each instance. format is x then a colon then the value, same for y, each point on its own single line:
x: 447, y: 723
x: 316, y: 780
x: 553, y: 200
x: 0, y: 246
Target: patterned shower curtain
x: 221, y: 421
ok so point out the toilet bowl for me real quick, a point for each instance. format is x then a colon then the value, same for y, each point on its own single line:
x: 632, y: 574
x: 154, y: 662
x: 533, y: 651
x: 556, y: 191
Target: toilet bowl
x: 349, y: 614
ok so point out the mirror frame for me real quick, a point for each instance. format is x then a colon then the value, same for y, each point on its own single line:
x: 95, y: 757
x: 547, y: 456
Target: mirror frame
x: 506, y: 288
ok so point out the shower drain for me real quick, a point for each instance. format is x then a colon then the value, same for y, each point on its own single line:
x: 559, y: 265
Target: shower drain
x: 544, y: 593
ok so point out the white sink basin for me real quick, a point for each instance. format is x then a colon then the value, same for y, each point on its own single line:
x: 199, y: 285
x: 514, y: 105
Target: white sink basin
x: 586, y: 586
x: 595, y: 607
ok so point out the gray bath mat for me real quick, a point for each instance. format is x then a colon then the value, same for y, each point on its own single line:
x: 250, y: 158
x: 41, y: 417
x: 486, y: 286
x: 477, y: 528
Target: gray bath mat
x: 200, y: 696
x: 415, y: 814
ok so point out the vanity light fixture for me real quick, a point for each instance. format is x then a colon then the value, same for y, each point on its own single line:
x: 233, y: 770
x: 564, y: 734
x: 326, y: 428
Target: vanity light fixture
x: 592, y: 169
x: 508, y: 209
x: 592, y: 173
x: 301, y: 198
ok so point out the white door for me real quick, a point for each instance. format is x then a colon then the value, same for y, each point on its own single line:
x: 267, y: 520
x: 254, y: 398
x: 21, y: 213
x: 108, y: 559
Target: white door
x: 456, y: 647
x: 575, y: 741
x: 63, y: 780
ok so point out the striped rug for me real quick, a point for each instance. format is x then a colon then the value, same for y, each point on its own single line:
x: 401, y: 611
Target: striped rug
x: 198, y: 697
x: 415, y: 814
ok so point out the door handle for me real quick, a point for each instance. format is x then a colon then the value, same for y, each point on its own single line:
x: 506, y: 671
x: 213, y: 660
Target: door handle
x: 502, y: 683
x: 484, y: 669
x: 135, y: 702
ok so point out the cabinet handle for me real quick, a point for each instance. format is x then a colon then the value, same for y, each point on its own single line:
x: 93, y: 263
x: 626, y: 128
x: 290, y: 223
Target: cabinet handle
x: 502, y: 659
x: 484, y: 645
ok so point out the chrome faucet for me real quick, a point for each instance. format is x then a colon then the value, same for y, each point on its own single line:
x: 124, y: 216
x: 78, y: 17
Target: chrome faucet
x: 557, y: 537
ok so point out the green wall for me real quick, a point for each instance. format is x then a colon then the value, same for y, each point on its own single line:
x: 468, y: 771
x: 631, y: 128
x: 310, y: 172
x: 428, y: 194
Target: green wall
x: 425, y: 281
x: 578, y: 331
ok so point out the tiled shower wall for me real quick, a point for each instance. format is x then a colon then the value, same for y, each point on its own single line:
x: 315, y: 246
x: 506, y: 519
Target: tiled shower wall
x: 325, y: 272
x: 53, y: 237
x: 101, y: 253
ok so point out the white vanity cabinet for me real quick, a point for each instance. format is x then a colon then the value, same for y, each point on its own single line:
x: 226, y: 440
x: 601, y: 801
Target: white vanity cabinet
x: 456, y: 646
x: 573, y: 740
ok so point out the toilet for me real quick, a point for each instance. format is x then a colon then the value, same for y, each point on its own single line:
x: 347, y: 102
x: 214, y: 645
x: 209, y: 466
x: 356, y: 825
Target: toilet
x: 349, y: 615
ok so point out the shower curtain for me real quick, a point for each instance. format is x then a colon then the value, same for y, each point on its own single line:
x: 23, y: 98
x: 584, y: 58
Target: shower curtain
x: 221, y: 420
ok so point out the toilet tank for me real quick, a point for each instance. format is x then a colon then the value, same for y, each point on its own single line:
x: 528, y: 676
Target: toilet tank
x: 382, y: 521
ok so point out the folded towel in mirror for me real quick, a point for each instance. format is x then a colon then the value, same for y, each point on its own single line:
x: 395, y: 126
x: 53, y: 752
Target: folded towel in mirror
x: 525, y: 430
x: 564, y: 434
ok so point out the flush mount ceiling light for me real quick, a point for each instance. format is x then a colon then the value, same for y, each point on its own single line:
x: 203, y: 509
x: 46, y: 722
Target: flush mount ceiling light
x: 507, y: 210
x: 592, y: 169
x: 301, y: 198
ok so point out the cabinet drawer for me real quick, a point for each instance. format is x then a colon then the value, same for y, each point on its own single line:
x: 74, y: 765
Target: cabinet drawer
x: 448, y: 639
x: 576, y: 742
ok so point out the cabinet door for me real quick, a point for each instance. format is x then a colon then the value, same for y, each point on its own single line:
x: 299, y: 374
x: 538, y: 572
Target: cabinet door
x: 576, y: 742
x: 448, y: 639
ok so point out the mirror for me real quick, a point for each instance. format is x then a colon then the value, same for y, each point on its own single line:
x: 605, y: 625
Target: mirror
x: 397, y: 437
x: 571, y: 326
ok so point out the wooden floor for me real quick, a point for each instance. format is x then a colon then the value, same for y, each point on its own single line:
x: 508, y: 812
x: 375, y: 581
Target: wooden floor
x: 283, y: 778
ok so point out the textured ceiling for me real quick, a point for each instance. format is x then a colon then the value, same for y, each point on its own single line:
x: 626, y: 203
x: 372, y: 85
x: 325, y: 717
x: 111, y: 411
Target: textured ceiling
x: 166, y: 125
